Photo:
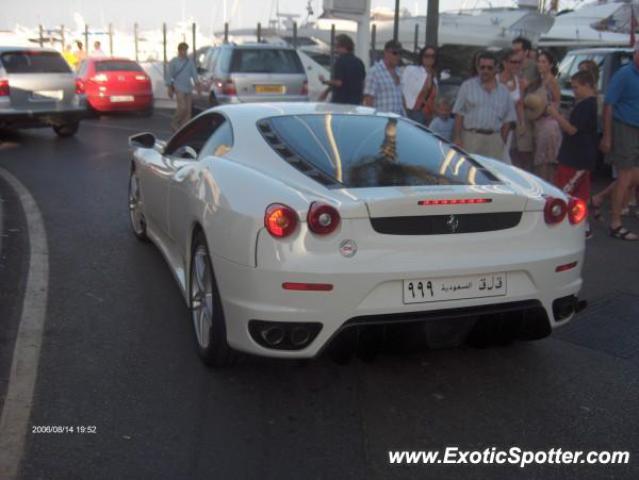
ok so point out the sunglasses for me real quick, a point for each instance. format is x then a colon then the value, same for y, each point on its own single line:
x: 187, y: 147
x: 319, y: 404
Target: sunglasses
x: 394, y: 52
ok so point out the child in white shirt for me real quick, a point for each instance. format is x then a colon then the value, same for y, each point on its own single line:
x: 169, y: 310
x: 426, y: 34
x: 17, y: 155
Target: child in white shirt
x: 443, y: 123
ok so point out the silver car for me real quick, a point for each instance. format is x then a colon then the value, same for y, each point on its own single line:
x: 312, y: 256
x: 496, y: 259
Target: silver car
x: 251, y: 73
x: 37, y: 89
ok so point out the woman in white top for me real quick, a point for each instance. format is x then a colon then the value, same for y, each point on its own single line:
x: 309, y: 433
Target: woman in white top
x: 419, y: 85
x: 509, y: 78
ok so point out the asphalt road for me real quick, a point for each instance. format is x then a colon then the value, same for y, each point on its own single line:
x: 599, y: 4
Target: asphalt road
x: 119, y: 355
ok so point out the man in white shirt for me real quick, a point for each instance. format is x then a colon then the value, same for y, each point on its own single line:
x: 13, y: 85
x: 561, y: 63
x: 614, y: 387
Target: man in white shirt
x: 97, y: 50
x: 484, y: 111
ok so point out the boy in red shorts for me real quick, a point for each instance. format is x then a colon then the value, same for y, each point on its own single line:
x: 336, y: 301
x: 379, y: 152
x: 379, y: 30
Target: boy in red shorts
x: 578, y: 152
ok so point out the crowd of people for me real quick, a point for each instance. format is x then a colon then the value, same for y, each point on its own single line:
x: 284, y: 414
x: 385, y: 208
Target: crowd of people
x: 509, y: 109
x: 74, y: 57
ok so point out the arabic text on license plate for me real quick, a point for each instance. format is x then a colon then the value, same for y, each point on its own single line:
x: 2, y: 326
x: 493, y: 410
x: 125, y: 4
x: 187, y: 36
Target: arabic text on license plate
x: 454, y: 288
x: 121, y: 98
x: 48, y: 95
x: 269, y: 89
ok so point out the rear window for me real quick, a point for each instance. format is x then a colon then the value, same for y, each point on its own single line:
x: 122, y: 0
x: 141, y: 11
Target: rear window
x: 260, y: 60
x: 369, y: 151
x: 117, y: 66
x: 624, y: 59
x: 25, y: 61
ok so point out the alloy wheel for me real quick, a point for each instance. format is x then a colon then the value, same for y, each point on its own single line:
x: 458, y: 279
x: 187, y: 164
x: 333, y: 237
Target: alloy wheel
x: 202, y: 306
x: 135, y: 207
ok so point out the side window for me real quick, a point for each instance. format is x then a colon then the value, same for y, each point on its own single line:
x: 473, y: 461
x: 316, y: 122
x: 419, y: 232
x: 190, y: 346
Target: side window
x: 220, y: 142
x: 600, y: 60
x: 624, y: 59
x: 195, y: 133
x: 575, y: 65
x: 212, y: 60
x: 564, y: 71
x: 223, y: 61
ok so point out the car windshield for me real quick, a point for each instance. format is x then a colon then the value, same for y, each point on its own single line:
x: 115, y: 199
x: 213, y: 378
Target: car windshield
x: 369, y: 151
x: 261, y: 60
x: 117, y: 66
x: 25, y: 61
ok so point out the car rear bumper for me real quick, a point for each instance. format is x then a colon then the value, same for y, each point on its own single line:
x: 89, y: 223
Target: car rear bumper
x: 104, y: 104
x: 41, y: 118
x: 374, y: 295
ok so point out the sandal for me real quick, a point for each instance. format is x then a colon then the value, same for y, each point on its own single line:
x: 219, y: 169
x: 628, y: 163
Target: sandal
x: 595, y: 211
x: 623, y: 233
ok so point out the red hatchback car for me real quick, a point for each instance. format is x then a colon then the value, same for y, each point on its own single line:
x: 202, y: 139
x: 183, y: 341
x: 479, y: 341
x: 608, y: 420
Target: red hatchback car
x: 114, y: 85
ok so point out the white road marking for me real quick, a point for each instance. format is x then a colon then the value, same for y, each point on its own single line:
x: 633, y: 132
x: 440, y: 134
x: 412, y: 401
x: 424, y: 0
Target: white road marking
x: 14, y: 421
x: 2, y: 234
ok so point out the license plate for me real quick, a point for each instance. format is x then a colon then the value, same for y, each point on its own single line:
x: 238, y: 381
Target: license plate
x: 121, y: 98
x: 454, y: 288
x: 269, y: 89
x: 48, y: 95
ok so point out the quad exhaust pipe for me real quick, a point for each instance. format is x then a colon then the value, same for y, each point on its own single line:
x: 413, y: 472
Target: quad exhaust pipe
x: 284, y: 335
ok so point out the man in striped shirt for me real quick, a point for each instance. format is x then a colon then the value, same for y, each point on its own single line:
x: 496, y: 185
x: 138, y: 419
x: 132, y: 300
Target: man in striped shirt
x: 484, y: 111
x: 382, y: 89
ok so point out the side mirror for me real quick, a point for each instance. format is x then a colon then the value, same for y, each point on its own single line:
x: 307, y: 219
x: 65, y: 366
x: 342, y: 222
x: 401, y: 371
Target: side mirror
x: 142, y: 140
x: 186, y: 152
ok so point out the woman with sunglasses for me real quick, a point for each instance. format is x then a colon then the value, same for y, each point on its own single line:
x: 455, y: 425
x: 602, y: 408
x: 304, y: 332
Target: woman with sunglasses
x: 419, y: 86
x: 509, y: 78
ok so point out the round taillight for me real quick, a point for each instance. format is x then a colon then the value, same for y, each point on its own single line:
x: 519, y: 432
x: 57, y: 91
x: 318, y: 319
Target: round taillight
x: 577, y: 210
x: 555, y: 210
x: 280, y: 220
x: 322, y: 219
x: 79, y: 86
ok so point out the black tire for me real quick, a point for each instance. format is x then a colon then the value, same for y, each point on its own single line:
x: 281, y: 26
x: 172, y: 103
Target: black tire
x: 136, y: 213
x: 66, y: 129
x: 213, y: 348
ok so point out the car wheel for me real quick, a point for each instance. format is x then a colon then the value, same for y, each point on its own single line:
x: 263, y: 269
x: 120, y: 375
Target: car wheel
x: 136, y: 214
x: 67, y: 129
x: 206, y: 309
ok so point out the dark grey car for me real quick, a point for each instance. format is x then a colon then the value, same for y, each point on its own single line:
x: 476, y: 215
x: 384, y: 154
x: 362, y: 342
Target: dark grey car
x: 37, y: 89
x: 251, y: 73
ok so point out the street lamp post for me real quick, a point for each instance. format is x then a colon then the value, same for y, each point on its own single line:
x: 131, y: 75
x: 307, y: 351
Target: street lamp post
x: 432, y: 23
x: 396, y: 21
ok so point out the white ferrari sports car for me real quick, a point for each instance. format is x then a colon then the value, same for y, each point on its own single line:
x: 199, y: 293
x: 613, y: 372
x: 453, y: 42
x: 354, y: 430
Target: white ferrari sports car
x: 288, y: 225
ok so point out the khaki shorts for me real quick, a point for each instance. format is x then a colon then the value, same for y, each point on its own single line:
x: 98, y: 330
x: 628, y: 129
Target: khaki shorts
x: 625, y: 146
x: 491, y: 146
x: 524, y: 139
